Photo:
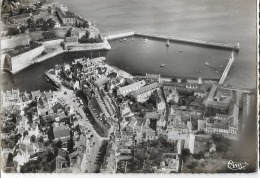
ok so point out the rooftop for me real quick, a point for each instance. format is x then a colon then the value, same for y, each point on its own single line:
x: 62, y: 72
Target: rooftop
x: 146, y: 88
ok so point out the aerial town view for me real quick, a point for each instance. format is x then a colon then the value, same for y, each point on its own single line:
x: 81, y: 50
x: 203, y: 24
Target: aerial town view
x: 91, y: 87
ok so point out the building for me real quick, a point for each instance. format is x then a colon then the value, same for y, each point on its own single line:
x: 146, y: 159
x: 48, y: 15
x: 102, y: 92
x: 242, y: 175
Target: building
x: 10, y: 97
x: 129, y: 88
x: 61, y: 132
x: 66, y: 17
x: 200, y: 93
x: 152, y: 78
x: 98, y: 115
x: 145, y: 92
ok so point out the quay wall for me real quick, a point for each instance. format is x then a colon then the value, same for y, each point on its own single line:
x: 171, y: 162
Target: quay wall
x: 12, y: 42
x: 19, y: 62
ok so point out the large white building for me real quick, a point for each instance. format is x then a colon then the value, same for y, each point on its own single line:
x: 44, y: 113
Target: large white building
x: 129, y: 88
x: 145, y: 91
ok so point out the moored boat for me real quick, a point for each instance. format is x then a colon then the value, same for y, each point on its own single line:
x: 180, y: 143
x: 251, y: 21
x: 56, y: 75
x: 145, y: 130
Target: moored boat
x: 163, y: 65
x: 168, y: 43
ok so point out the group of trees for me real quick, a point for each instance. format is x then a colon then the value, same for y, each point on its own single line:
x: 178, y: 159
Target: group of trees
x: 83, y: 25
x: 49, y: 35
x: 85, y: 38
x: 45, y: 25
x: 12, y: 31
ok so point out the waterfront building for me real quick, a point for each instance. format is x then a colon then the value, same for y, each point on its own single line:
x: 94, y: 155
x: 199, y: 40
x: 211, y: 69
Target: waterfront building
x: 129, y: 88
x: 66, y: 17
x: 152, y: 78
x: 145, y: 92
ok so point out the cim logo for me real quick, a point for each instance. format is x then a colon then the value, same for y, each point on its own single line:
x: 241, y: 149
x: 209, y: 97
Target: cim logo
x: 236, y: 165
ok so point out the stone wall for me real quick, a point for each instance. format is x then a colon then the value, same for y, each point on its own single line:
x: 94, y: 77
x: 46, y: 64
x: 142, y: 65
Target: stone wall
x: 12, y: 42
x: 23, y: 60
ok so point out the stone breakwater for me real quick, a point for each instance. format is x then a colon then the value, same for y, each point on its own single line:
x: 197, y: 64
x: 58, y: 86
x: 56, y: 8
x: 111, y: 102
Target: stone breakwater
x: 234, y: 47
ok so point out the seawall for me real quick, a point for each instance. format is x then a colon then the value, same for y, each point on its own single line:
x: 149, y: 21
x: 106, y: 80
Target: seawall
x: 176, y: 39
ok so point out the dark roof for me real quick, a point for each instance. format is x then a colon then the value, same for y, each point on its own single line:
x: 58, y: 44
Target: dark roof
x: 66, y: 14
x: 62, y: 154
x: 73, y: 154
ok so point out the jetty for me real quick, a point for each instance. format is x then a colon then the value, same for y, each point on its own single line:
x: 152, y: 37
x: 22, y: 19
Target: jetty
x: 225, y: 73
x: 232, y: 47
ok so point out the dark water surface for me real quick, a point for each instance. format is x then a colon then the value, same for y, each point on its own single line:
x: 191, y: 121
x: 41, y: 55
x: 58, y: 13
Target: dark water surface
x: 135, y: 57
x: 227, y: 21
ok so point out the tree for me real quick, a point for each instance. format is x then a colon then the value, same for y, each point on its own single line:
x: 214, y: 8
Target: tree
x: 184, y: 80
x: 33, y: 26
x: 51, y: 22
x: 29, y: 22
x: 41, y: 140
x: 68, y: 34
x: 85, y: 25
x: 87, y: 34
x: 45, y: 26
x: 185, y: 153
x: 23, y: 28
x: 40, y: 22
x: 13, y: 31
x: 49, y: 35
x: 174, y: 80
x: 33, y: 138
x: 9, y: 162
x: 25, y: 133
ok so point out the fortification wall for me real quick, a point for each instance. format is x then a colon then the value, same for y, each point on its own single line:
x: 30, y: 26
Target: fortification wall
x: 21, y: 61
x: 12, y: 42
x: 37, y: 35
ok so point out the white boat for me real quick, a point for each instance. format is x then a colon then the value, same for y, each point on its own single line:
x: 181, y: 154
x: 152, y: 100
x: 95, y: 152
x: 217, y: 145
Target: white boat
x: 124, y: 39
x: 145, y: 40
x: 163, y: 65
x: 206, y: 63
x: 167, y: 43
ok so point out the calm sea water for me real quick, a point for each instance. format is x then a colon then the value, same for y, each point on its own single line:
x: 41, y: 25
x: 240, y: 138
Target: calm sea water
x: 227, y: 21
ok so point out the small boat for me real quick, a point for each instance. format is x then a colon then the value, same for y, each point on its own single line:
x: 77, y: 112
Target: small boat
x: 167, y: 43
x: 163, y: 65
x: 180, y: 51
x: 124, y: 39
x: 145, y: 40
x: 221, y: 66
x: 206, y: 63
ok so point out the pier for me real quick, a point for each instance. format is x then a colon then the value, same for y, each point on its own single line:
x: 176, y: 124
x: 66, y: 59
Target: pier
x: 234, y: 47
x: 225, y: 73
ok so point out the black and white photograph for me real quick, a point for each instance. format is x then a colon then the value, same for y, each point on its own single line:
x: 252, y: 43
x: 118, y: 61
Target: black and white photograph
x: 129, y: 86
